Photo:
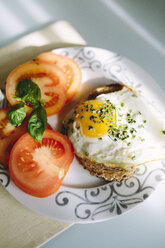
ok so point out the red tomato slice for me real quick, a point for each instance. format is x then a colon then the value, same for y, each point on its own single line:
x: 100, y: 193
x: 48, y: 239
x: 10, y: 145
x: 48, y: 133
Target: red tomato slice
x: 69, y: 66
x: 39, y: 168
x: 51, y: 80
x: 49, y: 126
x: 9, y: 135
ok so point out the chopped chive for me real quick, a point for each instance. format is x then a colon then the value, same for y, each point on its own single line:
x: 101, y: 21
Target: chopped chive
x: 132, y: 130
x: 141, y: 126
x: 90, y: 127
x: 126, y: 127
x: 92, y: 117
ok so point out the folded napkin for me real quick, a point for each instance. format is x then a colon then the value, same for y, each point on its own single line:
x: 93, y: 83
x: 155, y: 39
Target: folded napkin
x: 20, y: 227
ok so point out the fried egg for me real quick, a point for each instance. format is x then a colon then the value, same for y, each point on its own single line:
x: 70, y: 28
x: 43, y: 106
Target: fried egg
x: 117, y: 129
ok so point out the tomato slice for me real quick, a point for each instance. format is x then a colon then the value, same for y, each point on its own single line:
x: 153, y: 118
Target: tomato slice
x: 69, y: 66
x: 39, y: 168
x: 51, y: 80
x: 9, y: 135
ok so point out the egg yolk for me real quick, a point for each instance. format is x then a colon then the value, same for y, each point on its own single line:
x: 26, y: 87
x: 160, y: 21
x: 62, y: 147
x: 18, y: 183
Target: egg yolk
x: 95, y: 118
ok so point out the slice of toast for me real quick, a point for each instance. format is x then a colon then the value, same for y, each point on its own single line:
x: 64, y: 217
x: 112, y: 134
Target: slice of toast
x: 109, y: 173
x: 113, y: 171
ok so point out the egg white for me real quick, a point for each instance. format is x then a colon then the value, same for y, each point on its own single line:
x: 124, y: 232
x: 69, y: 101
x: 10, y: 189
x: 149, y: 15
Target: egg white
x: 146, y: 143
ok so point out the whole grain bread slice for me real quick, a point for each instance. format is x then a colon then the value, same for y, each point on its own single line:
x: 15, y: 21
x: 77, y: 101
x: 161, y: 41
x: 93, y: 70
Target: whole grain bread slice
x: 109, y: 173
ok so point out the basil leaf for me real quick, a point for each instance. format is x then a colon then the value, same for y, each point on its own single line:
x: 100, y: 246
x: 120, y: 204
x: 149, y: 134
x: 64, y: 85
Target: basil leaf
x: 37, y: 123
x: 28, y: 91
x: 17, y: 114
x: 19, y: 99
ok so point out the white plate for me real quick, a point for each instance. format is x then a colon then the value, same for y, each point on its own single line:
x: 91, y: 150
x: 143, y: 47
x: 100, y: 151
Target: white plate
x: 82, y: 197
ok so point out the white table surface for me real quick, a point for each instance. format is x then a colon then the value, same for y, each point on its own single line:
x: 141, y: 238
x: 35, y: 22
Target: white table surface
x: 132, y: 28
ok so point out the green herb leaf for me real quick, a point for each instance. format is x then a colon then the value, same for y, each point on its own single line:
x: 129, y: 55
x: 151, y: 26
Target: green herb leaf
x: 133, y: 157
x: 37, y: 123
x: 90, y: 127
x: 17, y: 114
x: 87, y: 154
x: 28, y: 91
x: 19, y: 99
